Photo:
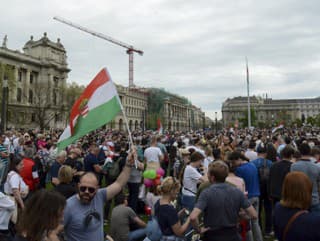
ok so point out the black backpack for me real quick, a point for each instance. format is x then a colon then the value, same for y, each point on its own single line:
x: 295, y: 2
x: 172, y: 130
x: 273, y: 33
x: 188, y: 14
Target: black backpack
x: 264, y: 172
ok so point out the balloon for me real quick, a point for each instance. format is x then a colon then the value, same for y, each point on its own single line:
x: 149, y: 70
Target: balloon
x: 158, y: 176
x: 145, y: 173
x: 157, y: 182
x: 147, y: 210
x: 148, y: 182
x: 150, y: 174
x: 160, y: 171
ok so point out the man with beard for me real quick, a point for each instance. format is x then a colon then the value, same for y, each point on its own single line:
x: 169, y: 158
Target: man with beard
x: 83, y: 218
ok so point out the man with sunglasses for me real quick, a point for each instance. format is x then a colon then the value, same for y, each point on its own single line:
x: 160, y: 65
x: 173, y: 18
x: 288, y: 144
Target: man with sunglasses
x: 83, y: 215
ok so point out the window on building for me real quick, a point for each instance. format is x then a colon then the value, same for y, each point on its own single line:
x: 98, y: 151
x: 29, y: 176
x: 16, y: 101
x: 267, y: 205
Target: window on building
x: 55, y: 81
x: 54, y: 98
x: 33, y: 117
x: 19, y: 95
x: 20, y: 76
x: 30, y: 96
x: 31, y: 78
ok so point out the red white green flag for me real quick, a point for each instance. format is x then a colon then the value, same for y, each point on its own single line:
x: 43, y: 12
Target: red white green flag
x: 97, y: 105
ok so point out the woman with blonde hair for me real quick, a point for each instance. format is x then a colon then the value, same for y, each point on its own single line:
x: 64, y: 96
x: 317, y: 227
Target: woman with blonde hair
x: 65, y: 186
x: 293, y: 221
x: 168, y: 217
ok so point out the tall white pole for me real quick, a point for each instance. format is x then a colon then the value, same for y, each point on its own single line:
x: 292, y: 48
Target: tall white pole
x: 248, y: 92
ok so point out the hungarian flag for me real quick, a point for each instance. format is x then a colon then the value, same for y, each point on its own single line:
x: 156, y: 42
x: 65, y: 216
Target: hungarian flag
x: 97, y: 105
x: 159, y: 125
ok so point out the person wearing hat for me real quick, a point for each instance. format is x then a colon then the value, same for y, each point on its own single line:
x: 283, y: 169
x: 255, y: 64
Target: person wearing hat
x: 263, y: 165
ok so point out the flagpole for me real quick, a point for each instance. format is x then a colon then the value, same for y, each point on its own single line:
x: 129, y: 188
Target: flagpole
x: 249, y: 110
x: 127, y: 126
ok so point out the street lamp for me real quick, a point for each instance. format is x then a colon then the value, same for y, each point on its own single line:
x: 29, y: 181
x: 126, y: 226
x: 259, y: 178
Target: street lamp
x: 216, y: 120
x: 4, y: 104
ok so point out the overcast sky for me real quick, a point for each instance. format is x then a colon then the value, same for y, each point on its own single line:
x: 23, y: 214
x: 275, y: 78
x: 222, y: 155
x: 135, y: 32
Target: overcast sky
x: 192, y: 48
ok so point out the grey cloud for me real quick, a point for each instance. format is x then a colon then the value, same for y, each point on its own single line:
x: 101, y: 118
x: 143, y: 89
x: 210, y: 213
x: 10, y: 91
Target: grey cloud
x: 192, y: 48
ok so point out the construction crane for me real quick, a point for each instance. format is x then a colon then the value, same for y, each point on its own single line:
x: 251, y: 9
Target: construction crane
x: 130, y: 48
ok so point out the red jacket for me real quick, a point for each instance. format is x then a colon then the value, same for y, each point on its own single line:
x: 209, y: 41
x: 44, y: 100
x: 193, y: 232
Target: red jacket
x: 29, y: 173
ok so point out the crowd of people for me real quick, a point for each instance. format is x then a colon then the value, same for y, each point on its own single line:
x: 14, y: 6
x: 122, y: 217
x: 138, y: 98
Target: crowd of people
x: 246, y: 184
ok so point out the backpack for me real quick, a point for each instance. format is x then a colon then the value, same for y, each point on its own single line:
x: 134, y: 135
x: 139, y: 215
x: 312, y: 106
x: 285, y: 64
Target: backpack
x: 154, y: 232
x: 264, y: 171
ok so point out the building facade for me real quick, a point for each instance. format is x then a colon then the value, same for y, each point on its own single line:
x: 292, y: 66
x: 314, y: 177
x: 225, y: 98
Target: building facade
x: 268, y: 110
x: 36, y: 82
x: 135, y: 105
x: 179, y: 116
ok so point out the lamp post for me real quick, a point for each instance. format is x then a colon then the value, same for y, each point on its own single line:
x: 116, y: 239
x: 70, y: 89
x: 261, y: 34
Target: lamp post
x: 216, y: 121
x: 4, y: 104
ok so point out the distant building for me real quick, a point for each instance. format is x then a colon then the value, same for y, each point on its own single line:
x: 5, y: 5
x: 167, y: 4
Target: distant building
x: 36, y: 80
x: 268, y: 110
x: 181, y: 116
x: 135, y: 105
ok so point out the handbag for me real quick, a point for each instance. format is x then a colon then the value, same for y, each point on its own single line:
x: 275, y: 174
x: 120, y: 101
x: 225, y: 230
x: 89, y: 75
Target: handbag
x: 291, y: 220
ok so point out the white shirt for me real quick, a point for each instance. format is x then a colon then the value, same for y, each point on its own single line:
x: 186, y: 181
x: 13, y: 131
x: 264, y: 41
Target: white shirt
x: 7, y: 206
x: 207, y: 161
x: 14, y: 180
x: 252, y: 155
x: 191, y: 178
x: 152, y: 154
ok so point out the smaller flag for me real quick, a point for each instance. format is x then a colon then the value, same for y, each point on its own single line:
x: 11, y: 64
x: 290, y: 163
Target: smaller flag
x: 159, y: 125
x: 279, y: 127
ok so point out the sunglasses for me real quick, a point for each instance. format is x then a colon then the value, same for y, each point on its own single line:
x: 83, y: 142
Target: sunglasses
x: 90, y: 189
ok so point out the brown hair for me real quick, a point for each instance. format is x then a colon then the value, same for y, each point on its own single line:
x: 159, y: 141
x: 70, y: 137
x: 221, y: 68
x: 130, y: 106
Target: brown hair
x: 219, y: 170
x: 42, y: 214
x: 196, y: 156
x: 296, y: 191
x: 208, y: 150
x: 65, y: 174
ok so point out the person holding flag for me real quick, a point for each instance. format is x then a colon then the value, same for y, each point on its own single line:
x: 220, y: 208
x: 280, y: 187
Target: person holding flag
x: 97, y: 105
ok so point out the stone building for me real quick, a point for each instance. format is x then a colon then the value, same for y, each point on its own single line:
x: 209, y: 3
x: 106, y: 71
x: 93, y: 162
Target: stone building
x: 135, y: 105
x: 268, y: 110
x: 37, y: 80
x: 180, y: 116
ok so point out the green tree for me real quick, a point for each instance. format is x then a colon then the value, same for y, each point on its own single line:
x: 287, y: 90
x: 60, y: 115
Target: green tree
x: 46, y: 103
x: 317, y: 120
x: 297, y: 122
x: 244, y: 120
x: 7, y: 72
x: 311, y: 120
x: 73, y: 91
